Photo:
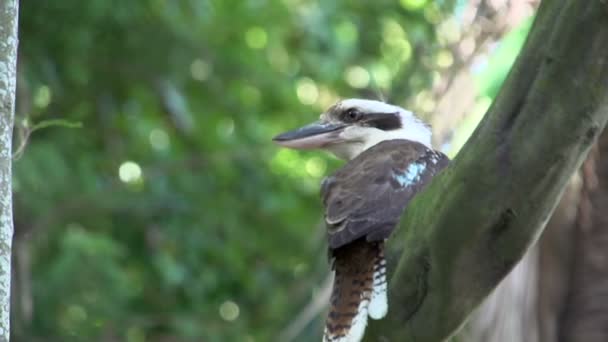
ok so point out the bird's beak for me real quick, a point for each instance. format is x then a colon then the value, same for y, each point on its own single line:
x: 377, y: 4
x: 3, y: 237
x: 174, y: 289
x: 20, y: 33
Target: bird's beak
x: 315, y: 135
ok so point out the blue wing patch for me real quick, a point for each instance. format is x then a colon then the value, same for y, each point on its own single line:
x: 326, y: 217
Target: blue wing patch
x: 411, y: 175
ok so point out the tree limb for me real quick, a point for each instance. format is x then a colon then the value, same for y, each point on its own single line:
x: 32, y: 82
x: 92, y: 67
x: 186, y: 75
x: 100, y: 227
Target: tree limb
x: 463, y: 234
x: 8, y: 77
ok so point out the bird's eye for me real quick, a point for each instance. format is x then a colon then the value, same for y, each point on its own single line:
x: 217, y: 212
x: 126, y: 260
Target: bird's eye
x: 352, y: 114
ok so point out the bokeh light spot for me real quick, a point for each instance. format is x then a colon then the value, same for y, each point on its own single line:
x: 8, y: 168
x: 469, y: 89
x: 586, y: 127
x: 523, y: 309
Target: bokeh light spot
x: 287, y: 162
x: 346, y: 32
x: 159, y: 140
x: 432, y: 14
x: 392, y: 31
x: 395, y: 46
x: 307, y: 91
x: 444, y: 59
x: 403, y: 50
x: 357, y: 77
x: 424, y: 100
x: 256, y: 38
x: 229, y: 311
x: 200, y: 70
x: 284, y: 161
x: 381, y: 75
x: 326, y: 97
x: 316, y: 167
x: 467, y: 46
x: 449, y: 31
x: 129, y: 172
x: 412, y: 5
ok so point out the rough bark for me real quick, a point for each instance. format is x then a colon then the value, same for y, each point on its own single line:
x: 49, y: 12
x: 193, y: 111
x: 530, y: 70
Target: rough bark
x: 461, y: 236
x: 8, y: 77
x: 584, y: 315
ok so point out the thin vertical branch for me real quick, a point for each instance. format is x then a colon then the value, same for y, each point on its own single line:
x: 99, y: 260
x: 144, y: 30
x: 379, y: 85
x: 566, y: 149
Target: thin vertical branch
x: 8, y: 80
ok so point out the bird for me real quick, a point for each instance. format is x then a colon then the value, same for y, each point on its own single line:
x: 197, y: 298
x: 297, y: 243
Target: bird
x: 389, y: 159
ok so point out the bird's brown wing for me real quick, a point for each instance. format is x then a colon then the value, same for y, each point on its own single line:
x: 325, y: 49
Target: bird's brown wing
x: 367, y: 196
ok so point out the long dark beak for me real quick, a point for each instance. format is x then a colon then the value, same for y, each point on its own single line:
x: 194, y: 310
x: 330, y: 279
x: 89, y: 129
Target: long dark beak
x: 315, y: 135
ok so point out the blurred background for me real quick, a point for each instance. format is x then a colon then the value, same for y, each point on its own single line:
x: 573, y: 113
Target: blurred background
x: 150, y: 203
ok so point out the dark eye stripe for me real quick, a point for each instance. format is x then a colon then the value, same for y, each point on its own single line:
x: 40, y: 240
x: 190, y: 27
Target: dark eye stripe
x: 383, y: 121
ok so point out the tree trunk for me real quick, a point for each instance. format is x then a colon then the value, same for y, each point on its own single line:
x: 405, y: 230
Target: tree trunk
x: 570, y: 284
x: 463, y: 234
x: 584, y: 316
x: 8, y: 80
x: 529, y: 302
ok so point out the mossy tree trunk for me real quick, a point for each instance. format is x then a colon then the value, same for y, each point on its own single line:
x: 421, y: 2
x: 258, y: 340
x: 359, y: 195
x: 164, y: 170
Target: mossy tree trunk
x: 462, y: 235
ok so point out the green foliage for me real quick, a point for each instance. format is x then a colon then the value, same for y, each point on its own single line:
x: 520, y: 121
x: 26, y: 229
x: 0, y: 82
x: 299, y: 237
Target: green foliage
x: 170, y: 215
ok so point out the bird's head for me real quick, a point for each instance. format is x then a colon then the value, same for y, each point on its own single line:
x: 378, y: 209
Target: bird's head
x: 351, y: 126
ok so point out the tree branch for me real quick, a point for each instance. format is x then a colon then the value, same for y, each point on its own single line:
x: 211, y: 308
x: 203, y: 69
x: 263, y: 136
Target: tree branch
x: 463, y: 234
x: 8, y: 77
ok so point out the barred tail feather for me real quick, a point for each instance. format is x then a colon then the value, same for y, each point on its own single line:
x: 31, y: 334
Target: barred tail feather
x: 353, y: 291
x: 355, y: 331
x: 378, y: 305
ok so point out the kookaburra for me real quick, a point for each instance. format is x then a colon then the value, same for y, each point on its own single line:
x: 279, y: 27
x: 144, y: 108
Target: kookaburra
x: 390, y: 159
